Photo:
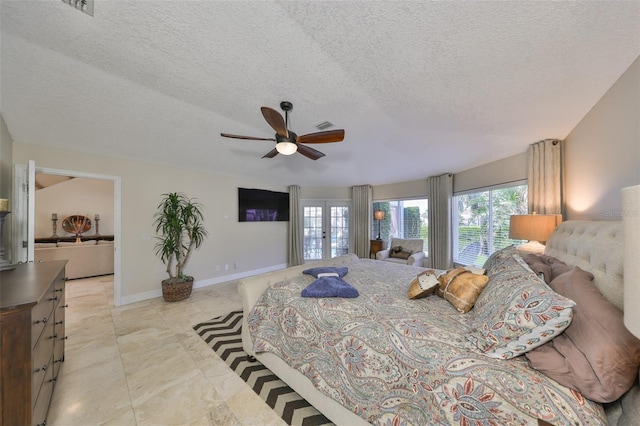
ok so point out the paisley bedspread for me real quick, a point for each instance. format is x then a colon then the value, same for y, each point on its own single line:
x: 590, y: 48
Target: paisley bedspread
x: 397, y: 361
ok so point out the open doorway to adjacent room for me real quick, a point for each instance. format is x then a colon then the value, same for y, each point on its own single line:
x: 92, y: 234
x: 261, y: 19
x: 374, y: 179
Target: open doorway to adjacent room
x: 75, y: 216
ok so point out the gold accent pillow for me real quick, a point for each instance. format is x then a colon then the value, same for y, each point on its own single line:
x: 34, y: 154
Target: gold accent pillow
x: 423, y: 285
x: 461, y: 288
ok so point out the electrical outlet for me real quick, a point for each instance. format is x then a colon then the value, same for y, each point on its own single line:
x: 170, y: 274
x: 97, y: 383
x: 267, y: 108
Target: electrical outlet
x: 226, y: 267
x: 217, y: 267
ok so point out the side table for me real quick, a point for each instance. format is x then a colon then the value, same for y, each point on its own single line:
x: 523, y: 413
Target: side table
x: 375, y: 246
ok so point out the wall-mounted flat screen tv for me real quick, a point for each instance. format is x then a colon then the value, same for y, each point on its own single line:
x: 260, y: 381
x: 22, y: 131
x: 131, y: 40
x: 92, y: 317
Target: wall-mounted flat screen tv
x: 260, y: 205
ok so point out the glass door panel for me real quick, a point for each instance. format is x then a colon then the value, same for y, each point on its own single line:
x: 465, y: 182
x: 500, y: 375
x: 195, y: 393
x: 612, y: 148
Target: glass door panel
x: 339, y: 230
x: 325, y: 229
x: 313, y: 233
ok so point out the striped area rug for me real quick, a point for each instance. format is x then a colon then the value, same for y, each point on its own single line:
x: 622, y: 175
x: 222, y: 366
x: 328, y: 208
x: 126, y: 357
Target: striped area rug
x: 222, y: 334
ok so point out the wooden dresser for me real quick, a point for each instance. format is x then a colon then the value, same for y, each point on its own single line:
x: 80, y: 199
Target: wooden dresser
x: 32, y: 311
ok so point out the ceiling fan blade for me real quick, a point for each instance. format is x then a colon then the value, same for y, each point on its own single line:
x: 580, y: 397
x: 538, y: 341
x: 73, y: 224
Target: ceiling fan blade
x: 251, y: 138
x: 275, y: 120
x: 271, y: 153
x: 322, y: 137
x: 309, y: 152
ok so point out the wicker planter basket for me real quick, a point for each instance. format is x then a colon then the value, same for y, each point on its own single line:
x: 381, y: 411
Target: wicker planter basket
x: 175, y: 291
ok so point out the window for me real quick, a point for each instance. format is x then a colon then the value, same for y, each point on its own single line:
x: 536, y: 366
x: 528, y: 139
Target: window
x: 481, y: 221
x: 402, y: 219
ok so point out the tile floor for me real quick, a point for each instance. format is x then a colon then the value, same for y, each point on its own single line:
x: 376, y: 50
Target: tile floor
x: 142, y: 364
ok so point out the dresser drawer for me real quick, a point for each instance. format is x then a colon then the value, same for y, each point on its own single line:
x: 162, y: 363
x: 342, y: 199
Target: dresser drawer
x: 41, y: 404
x: 42, y: 360
x: 41, y: 314
x: 59, y: 328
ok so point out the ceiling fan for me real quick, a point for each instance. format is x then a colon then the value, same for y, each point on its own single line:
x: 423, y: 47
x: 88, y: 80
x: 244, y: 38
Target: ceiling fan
x: 288, y: 142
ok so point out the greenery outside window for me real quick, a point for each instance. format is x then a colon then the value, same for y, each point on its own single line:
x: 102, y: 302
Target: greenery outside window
x: 481, y: 221
x: 402, y: 219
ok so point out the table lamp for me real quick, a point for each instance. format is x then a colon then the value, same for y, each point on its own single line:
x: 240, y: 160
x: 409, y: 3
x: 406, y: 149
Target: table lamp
x: 378, y: 215
x: 534, y: 228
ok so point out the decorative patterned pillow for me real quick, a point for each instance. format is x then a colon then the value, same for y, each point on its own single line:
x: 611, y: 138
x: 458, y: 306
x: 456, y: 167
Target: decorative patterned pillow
x: 399, y: 253
x: 461, y: 288
x: 517, y: 311
x: 423, y: 285
x: 499, y: 257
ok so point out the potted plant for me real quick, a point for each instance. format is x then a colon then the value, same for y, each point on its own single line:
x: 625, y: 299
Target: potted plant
x: 179, y: 230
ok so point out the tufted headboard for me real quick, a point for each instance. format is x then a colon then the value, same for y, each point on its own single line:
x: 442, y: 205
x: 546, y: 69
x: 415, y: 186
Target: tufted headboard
x: 595, y: 246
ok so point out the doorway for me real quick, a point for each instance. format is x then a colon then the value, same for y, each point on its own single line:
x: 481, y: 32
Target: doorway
x: 24, y: 222
x: 325, y: 229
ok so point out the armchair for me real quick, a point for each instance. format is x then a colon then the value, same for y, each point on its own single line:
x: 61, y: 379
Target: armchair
x: 413, y: 245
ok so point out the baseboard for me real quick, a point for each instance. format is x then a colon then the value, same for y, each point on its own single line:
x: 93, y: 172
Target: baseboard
x: 236, y: 276
x: 139, y: 297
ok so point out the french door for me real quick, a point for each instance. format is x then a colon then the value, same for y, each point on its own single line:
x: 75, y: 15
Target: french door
x: 325, y: 229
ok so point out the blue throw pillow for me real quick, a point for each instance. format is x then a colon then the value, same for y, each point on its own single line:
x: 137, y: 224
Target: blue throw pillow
x: 329, y: 283
x: 340, y: 270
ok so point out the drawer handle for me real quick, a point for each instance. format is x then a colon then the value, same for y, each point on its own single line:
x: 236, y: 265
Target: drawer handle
x: 43, y: 368
x: 43, y: 320
x: 54, y: 336
x: 64, y: 306
x: 53, y: 380
x: 59, y: 322
x: 43, y: 423
x: 60, y: 360
x: 60, y: 289
x: 54, y: 298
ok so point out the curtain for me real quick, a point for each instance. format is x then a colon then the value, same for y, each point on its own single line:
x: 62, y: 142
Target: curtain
x: 545, y: 174
x: 296, y: 256
x: 440, y: 227
x: 360, y: 219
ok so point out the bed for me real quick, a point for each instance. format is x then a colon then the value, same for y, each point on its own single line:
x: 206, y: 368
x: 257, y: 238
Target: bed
x: 447, y: 368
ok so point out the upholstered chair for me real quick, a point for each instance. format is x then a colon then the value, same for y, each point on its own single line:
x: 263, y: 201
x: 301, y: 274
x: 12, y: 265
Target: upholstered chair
x: 403, y: 251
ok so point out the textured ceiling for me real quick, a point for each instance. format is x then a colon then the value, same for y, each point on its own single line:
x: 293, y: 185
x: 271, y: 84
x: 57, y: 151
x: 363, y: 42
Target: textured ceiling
x: 421, y: 88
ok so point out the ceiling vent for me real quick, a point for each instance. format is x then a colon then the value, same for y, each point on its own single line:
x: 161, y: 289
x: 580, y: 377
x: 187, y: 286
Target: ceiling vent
x: 324, y: 125
x: 85, y: 6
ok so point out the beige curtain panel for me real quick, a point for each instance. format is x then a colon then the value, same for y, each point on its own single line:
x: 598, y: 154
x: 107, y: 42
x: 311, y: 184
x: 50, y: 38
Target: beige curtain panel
x: 440, y: 241
x: 546, y: 177
x: 296, y: 256
x: 360, y: 219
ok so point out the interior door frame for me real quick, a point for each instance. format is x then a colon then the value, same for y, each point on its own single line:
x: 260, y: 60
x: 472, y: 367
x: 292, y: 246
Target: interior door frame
x: 19, y: 184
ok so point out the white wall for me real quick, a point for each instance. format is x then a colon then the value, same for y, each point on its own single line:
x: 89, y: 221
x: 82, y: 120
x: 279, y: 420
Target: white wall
x: 6, y: 185
x: 251, y: 246
x: 510, y: 169
x: 325, y: 193
x: 6, y: 155
x: 394, y: 191
x: 603, y: 152
x: 75, y: 196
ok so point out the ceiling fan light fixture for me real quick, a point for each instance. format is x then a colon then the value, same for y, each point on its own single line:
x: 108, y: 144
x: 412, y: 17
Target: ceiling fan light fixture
x: 286, y: 148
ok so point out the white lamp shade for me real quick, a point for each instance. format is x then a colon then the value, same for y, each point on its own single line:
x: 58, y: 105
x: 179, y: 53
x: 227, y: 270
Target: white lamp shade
x: 378, y: 215
x: 286, y: 148
x: 631, y: 226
